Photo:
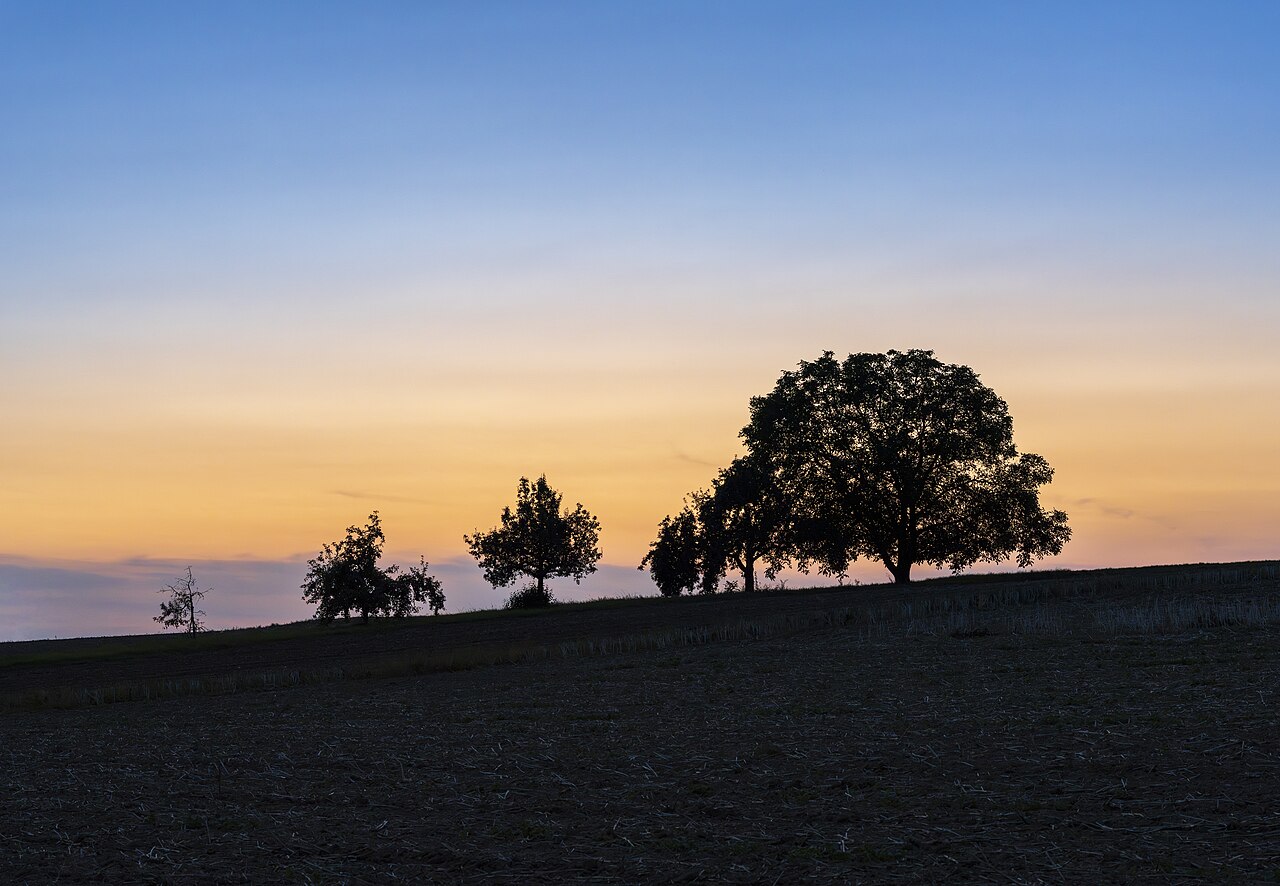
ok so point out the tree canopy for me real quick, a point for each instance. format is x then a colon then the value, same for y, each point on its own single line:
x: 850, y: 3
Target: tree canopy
x: 345, y: 577
x: 900, y: 458
x: 537, y: 539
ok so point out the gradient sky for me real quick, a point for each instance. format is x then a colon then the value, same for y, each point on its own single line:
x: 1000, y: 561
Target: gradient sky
x: 267, y: 267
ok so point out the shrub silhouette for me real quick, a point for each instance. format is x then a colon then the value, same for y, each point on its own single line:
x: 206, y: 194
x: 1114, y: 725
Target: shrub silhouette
x: 530, y: 597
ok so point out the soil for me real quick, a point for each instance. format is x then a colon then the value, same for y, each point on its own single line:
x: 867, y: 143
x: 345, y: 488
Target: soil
x: 821, y: 756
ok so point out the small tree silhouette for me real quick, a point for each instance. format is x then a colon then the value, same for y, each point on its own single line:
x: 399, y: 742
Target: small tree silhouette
x: 740, y: 522
x: 743, y: 521
x: 537, y: 540
x: 345, y: 577
x: 675, y: 557
x: 180, y: 611
x: 418, y: 586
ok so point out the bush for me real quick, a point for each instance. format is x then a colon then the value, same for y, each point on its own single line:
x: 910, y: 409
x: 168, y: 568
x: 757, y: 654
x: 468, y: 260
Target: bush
x: 530, y: 597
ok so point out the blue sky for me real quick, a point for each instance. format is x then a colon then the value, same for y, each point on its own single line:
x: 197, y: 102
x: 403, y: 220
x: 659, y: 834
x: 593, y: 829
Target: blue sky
x: 267, y: 266
x: 298, y: 139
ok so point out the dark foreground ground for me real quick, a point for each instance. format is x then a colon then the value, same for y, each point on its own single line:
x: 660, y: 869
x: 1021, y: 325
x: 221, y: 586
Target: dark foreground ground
x: 824, y: 756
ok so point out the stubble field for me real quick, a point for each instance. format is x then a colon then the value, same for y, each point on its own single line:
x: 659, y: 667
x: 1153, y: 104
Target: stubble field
x: 1042, y: 741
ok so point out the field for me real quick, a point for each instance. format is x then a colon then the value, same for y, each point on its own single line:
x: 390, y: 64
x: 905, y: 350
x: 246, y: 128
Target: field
x: 1115, y: 726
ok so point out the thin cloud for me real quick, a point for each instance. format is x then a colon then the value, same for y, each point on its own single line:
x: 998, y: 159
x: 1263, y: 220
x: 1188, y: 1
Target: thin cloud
x: 376, y: 496
x: 1122, y: 513
x: 681, y: 455
x: 1109, y: 510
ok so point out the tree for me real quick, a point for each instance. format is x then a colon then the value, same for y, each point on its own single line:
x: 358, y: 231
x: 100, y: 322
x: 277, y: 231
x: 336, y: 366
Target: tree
x: 345, y: 578
x: 901, y: 458
x: 180, y: 611
x: 418, y: 586
x: 675, y: 557
x: 743, y: 521
x: 537, y: 540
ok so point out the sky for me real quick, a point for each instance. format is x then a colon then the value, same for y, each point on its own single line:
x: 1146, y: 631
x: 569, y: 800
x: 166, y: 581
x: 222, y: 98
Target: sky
x: 265, y: 268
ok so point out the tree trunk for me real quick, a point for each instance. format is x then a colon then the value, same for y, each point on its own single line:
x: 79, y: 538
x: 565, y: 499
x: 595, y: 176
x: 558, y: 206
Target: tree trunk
x: 906, y: 555
x: 542, y: 591
x: 749, y: 576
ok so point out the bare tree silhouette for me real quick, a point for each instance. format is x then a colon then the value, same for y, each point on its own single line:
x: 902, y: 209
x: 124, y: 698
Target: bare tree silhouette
x: 180, y: 610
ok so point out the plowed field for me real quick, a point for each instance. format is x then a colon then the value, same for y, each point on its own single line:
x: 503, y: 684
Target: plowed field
x: 995, y: 755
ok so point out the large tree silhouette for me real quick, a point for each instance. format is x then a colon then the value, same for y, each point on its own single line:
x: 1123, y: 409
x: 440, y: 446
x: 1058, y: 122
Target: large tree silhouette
x: 537, y: 540
x: 901, y: 458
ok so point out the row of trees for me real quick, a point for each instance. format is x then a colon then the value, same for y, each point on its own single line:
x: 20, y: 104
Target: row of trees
x: 894, y: 457
x: 536, y: 539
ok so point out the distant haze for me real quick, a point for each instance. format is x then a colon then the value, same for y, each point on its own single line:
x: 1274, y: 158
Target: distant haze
x: 268, y: 267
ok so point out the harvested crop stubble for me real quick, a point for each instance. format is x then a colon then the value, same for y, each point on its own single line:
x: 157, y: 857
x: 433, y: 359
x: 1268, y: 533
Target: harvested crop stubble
x: 825, y: 755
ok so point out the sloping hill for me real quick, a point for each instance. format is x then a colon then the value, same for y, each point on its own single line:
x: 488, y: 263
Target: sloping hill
x: 70, y: 672
x: 1101, y: 728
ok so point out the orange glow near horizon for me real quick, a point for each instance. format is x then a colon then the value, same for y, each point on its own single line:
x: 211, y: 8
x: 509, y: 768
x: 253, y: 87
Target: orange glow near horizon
x: 1147, y: 474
